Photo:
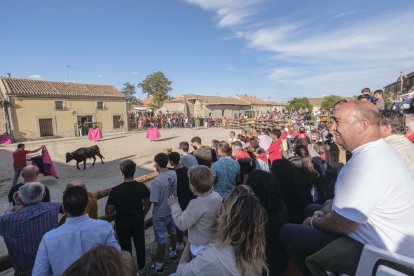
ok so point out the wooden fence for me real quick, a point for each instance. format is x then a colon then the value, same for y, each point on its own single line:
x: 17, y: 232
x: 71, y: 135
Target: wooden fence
x: 252, y: 123
x: 5, y: 263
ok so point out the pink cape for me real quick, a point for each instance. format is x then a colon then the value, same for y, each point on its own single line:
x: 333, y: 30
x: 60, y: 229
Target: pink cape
x: 47, y: 161
x: 140, y: 124
x: 153, y: 134
x: 5, y: 139
x: 94, y: 134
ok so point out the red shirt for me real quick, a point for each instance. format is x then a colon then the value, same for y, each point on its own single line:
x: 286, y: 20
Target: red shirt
x: 411, y: 138
x: 301, y: 135
x: 283, y: 135
x: 19, y: 158
x: 274, y: 151
x: 242, y: 155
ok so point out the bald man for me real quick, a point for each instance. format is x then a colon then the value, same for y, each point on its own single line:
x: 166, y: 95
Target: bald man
x: 30, y: 173
x: 372, y: 205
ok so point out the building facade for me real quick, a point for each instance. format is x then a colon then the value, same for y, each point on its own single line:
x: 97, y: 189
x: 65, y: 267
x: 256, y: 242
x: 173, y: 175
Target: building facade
x: 259, y: 106
x: 219, y: 107
x: 402, y: 85
x: 38, y: 108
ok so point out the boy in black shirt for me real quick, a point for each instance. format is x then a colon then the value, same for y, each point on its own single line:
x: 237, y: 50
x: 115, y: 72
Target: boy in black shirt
x: 130, y: 201
x: 184, y: 193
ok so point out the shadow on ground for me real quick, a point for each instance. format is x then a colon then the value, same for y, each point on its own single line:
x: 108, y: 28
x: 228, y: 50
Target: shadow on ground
x: 166, y: 138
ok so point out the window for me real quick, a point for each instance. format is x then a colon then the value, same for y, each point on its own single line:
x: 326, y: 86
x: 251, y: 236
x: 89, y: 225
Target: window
x: 100, y: 105
x: 59, y: 105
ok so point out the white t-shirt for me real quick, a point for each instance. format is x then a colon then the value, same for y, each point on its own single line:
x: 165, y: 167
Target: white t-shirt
x: 265, y: 141
x: 376, y: 190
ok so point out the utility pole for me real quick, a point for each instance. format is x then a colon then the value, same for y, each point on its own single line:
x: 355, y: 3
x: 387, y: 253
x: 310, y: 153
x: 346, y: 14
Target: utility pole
x: 68, y: 67
x: 402, y: 82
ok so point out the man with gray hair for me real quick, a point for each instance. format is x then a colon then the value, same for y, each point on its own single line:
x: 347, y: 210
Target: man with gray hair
x: 23, y: 229
x: 392, y: 130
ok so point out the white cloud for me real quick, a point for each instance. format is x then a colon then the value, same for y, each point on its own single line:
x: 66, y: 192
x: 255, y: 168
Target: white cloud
x: 135, y: 73
x: 36, y: 77
x: 282, y: 75
x: 230, y: 68
x: 230, y: 12
x: 100, y: 76
x: 346, y: 13
x: 319, y: 54
x: 379, y: 40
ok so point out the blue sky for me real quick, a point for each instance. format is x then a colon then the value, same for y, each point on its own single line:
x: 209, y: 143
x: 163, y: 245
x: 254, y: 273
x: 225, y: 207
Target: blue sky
x: 271, y: 49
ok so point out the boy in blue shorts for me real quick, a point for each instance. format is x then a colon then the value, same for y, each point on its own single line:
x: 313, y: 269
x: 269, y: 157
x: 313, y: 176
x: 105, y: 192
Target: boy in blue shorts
x: 163, y: 186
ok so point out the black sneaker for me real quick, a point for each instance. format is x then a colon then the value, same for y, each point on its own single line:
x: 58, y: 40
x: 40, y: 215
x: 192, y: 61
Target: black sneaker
x: 173, y: 257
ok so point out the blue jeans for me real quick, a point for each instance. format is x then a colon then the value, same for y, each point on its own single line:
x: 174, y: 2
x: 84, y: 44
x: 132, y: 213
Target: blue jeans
x: 161, y: 226
x: 17, y: 172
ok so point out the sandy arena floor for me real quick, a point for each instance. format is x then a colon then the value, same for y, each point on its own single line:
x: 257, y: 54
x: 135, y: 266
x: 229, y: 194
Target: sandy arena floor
x: 114, y: 148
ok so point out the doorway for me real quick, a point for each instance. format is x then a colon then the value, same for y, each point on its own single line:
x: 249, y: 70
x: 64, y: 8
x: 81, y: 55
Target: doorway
x: 46, y: 127
x: 115, y: 120
x: 83, y: 124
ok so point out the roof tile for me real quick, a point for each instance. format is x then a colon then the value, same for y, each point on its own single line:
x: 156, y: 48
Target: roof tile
x: 25, y: 87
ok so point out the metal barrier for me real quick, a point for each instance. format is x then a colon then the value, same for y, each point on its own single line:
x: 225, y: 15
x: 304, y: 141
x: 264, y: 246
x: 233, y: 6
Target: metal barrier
x: 5, y: 263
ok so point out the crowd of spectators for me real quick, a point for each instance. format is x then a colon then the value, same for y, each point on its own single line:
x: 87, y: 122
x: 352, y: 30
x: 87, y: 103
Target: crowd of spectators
x: 245, y: 206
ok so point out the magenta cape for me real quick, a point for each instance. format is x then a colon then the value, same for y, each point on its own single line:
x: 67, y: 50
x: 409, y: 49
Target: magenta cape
x: 5, y: 139
x: 94, y: 134
x: 153, y: 134
x: 45, y: 164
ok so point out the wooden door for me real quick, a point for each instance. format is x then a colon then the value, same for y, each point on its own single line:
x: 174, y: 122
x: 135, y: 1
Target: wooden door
x: 116, y: 119
x: 46, y: 127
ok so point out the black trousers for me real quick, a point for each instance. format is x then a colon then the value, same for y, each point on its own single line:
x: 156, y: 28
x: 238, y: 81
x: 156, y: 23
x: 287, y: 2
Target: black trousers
x: 132, y: 228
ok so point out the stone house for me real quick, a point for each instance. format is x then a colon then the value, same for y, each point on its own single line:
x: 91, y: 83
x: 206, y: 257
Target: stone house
x: 39, y: 108
x: 259, y: 106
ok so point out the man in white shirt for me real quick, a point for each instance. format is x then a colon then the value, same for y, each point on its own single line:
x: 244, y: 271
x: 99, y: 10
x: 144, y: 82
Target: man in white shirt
x: 373, y: 199
x: 233, y: 137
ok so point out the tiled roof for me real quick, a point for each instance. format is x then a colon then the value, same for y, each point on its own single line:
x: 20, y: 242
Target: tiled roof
x: 256, y: 101
x: 315, y: 101
x: 216, y: 100
x: 278, y: 103
x: 179, y: 99
x: 318, y: 101
x: 24, y: 87
x: 147, y: 101
x: 251, y: 99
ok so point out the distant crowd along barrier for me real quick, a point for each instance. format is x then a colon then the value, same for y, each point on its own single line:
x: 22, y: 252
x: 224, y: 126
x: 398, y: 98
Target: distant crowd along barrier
x: 5, y: 260
x: 251, y: 123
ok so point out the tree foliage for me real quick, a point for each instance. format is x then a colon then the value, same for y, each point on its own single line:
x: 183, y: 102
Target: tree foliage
x: 157, y: 86
x: 299, y: 104
x: 129, y: 91
x: 329, y: 101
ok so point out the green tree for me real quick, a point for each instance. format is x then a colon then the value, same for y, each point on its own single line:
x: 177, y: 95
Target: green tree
x: 329, y: 101
x: 299, y: 103
x: 157, y: 86
x: 129, y: 91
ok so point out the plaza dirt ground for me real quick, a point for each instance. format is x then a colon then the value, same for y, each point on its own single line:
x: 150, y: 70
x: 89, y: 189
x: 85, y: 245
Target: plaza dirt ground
x: 115, y: 148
